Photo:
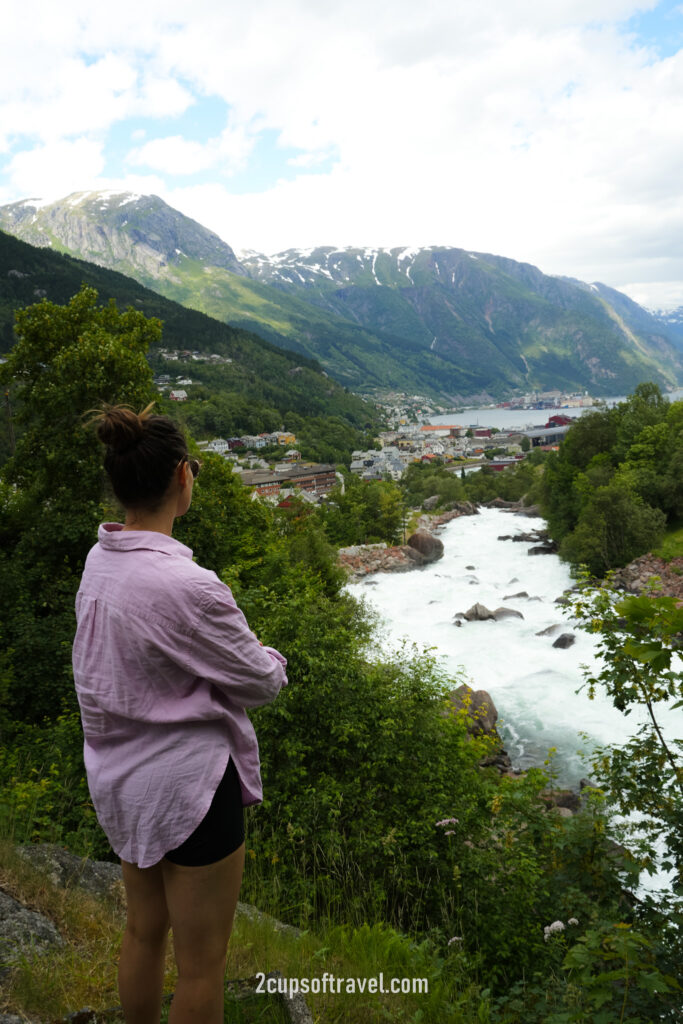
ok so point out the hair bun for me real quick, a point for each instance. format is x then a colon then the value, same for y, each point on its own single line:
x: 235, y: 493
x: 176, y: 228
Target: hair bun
x: 120, y: 428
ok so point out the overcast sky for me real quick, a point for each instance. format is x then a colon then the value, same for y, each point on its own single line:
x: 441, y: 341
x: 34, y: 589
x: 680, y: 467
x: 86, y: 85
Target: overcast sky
x: 549, y: 131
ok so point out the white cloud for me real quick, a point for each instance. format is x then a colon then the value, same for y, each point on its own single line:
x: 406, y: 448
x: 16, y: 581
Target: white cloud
x: 533, y: 129
x: 68, y: 161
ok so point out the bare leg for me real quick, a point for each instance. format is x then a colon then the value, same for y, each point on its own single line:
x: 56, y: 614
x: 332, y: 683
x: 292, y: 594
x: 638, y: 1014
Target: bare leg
x: 201, y: 903
x: 143, y: 950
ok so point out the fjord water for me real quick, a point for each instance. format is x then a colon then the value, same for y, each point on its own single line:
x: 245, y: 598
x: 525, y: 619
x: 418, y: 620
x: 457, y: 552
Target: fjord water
x: 533, y: 684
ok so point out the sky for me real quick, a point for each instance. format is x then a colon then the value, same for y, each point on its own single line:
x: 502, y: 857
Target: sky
x: 548, y: 131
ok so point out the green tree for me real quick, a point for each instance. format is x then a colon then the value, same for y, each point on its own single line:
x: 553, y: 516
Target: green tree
x: 67, y: 360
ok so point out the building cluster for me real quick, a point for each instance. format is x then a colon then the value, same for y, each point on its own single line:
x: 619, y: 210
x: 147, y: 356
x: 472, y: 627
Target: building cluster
x: 185, y: 355
x: 447, y: 443
x: 223, y: 445
x: 554, y: 399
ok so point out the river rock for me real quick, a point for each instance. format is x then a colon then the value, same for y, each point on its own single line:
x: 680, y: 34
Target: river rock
x: 533, y: 511
x: 477, y: 613
x: 550, y: 630
x: 471, y: 567
x: 510, y: 597
x: 565, y: 798
x: 535, y: 537
x: 501, y: 503
x: 429, y: 546
x: 542, y: 549
x: 431, y: 502
x: 507, y: 613
x: 566, y: 640
x: 481, y: 711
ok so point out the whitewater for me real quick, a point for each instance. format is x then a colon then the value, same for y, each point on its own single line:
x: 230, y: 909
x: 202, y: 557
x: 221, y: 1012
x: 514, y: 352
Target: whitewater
x: 533, y: 684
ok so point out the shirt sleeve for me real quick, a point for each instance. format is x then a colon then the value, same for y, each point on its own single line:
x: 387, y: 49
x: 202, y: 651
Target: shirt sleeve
x: 226, y: 653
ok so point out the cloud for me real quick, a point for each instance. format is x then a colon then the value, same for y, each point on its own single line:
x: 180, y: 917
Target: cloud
x: 175, y: 155
x: 542, y: 131
x: 68, y: 161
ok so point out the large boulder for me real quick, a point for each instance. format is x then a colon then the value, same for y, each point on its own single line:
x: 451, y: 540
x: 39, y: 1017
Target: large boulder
x: 431, y: 502
x: 64, y: 869
x: 479, y: 707
x: 477, y: 613
x: 429, y: 546
x: 507, y: 613
x: 565, y: 640
x: 23, y: 931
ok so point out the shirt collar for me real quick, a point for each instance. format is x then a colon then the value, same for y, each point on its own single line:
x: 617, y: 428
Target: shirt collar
x: 113, y: 537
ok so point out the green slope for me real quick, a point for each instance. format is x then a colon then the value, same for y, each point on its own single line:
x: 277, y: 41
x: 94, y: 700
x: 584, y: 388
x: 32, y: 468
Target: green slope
x: 260, y: 369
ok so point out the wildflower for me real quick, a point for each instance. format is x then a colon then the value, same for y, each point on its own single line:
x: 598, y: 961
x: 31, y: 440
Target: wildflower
x: 456, y: 938
x: 449, y: 832
x: 447, y: 821
x: 572, y: 920
x: 551, y: 929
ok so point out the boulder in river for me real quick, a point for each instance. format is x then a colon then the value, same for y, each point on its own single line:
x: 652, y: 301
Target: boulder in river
x: 507, y: 613
x: 566, y: 640
x: 510, y: 597
x: 543, y: 549
x: 479, y: 707
x: 551, y: 630
x: 477, y: 613
x: 429, y: 546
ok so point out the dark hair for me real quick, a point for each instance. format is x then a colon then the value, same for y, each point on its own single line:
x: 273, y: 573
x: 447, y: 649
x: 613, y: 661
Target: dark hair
x: 142, y: 453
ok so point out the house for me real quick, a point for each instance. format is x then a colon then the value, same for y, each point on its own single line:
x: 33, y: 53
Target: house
x: 219, y: 445
x: 178, y: 396
x: 315, y: 478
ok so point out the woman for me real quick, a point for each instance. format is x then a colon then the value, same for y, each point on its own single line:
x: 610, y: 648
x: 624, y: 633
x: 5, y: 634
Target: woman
x: 165, y: 665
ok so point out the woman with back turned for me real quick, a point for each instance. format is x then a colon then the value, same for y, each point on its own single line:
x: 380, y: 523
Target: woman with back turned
x: 165, y: 665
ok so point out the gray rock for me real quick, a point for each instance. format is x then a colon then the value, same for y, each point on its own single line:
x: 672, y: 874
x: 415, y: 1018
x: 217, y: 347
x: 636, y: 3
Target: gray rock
x: 507, y: 613
x: 566, y: 640
x: 501, y: 503
x: 23, y: 931
x: 64, y: 869
x: 471, y: 567
x: 513, y: 580
x: 427, y: 545
x: 550, y: 630
x: 532, y: 511
x: 542, y: 549
x: 510, y: 597
x: 431, y: 502
x: 566, y: 798
x: 481, y: 711
x: 477, y: 613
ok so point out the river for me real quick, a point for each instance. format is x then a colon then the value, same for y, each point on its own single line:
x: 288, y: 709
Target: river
x: 533, y: 684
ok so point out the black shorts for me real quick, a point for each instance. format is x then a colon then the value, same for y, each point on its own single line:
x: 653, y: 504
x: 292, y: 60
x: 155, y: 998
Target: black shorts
x: 220, y: 832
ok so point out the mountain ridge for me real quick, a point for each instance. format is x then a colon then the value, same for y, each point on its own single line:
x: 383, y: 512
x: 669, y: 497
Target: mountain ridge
x: 437, y: 319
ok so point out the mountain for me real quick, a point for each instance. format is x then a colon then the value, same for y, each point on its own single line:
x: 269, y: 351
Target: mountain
x: 441, y: 320
x: 260, y: 373
x: 672, y: 322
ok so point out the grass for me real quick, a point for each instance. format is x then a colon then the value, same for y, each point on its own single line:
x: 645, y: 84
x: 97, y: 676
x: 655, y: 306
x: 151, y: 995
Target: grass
x: 82, y: 973
x: 672, y: 545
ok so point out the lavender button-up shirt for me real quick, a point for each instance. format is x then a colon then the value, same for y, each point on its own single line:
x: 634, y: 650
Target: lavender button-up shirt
x: 165, y: 665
